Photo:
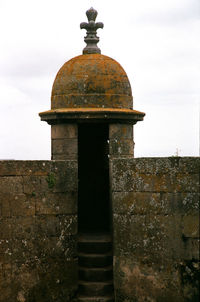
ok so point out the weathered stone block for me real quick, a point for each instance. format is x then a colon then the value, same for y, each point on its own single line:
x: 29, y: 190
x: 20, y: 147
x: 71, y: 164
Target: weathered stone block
x: 6, y: 284
x: 152, y: 238
x: 47, y: 225
x: 151, y: 183
x: 11, y: 184
x: 68, y: 225
x: 189, y: 165
x: 5, y: 252
x: 66, y: 176
x: 58, y: 283
x: 135, y: 281
x: 160, y: 165
x: 9, y: 168
x: 24, y: 167
x: 191, y: 248
x: 184, y: 203
x: 164, y: 237
x: 5, y: 273
x: 5, y: 199
x: 61, y: 247
x: 68, y: 243
x: 23, y: 227
x: 25, y: 250
x: 191, y: 225
x: 66, y: 147
x: 59, y: 157
x: 120, y: 147
x: 186, y: 183
x: 153, y: 165
x: 189, y: 277
x: 64, y: 131
x: 121, y: 174
x: 120, y: 131
x: 61, y: 178
x: 132, y: 203
x: 22, y: 205
x: 128, y: 233
x: 31, y: 184
x: 125, y: 178
x: 56, y: 203
x: 38, y: 168
x: 6, y: 225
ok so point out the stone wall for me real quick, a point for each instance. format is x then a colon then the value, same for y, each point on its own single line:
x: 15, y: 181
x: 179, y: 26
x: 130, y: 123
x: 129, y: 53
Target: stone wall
x: 155, y: 222
x: 38, y: 228
x: 156, y: 229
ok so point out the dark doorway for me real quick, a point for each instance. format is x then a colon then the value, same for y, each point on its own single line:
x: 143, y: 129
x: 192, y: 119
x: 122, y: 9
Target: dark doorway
x: 93, y: 174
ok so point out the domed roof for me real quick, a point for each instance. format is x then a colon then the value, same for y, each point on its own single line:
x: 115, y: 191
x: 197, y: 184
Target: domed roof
x: 91, y: 87
x: 91, y: 81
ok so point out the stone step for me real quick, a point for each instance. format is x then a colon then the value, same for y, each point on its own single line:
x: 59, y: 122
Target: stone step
x: 88, y: 237
x: 95, y: 288
x: 96, y: 299
x: 95, y: 260
x: 94, y: 243
x: 94, y: 247
x: 95, y: 274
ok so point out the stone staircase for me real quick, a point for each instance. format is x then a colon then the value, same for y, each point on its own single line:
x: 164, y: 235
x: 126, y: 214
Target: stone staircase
x: 95, y: 268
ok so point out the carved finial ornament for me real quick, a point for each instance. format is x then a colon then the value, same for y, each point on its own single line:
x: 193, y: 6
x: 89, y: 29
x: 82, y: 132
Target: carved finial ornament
x: 91, y: 39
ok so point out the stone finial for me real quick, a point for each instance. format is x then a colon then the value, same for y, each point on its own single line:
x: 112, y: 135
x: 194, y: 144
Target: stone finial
x: 91, y: 39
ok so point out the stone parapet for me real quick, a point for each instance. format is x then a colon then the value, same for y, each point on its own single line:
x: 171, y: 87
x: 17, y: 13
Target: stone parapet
x: 38, y: 230
x: 155, y: 204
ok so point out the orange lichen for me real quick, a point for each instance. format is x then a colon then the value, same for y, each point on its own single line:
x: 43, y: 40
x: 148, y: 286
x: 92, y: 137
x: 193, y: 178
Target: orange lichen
x: 85, y: 110
x: 91, y: 80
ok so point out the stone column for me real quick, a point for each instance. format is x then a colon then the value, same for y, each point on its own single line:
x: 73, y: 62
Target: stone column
x: 64, y: 142
x: 121, y: 140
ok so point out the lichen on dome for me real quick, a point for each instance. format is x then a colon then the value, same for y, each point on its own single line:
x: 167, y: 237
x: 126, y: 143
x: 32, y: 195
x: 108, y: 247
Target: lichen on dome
x: 91, y: 80
x: 91, y: 87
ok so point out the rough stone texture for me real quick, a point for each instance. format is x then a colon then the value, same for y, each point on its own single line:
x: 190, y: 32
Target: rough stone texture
x: 64, y: 141
x: 155, y: 205
x: 93, y: 81
x: 64, y: 149
x: 121, y: 140
x: 38, y: 229
x: 64, y: 131
x: 120, y: 131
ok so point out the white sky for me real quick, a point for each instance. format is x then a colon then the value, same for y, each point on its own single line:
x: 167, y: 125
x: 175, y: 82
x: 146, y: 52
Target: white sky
x: 156, y: 41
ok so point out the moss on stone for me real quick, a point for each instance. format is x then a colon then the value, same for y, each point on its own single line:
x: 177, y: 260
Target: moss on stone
x: 51, y: 180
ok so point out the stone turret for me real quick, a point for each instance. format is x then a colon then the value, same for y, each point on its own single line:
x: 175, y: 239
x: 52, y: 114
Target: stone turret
x: 91, y: 118
x: 90, y: 88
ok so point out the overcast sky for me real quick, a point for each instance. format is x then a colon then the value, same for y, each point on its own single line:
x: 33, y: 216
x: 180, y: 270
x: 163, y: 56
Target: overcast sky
x: 156, y: 41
